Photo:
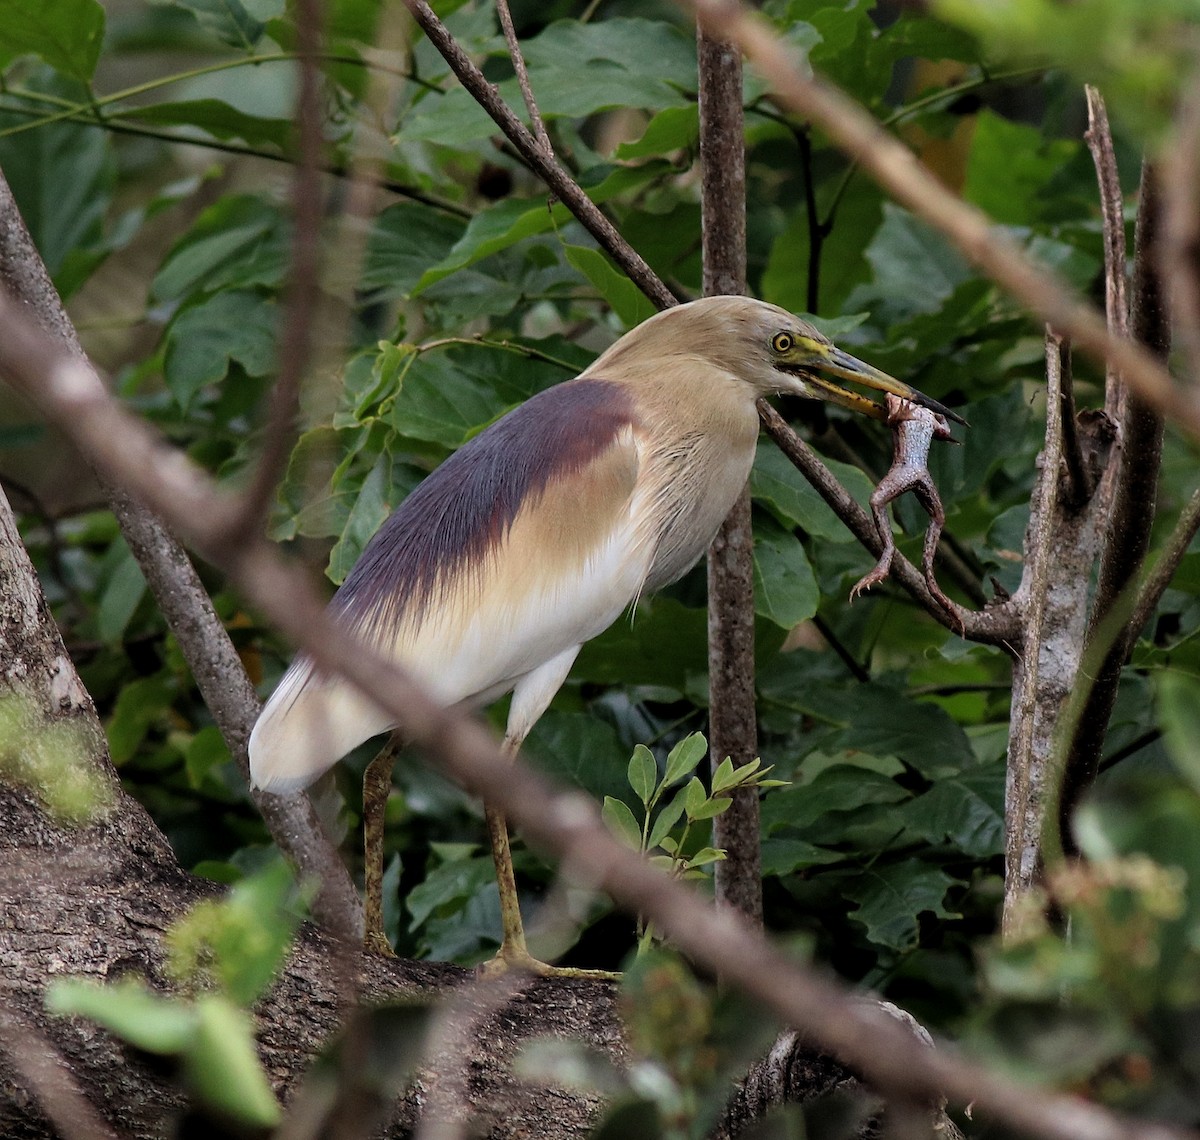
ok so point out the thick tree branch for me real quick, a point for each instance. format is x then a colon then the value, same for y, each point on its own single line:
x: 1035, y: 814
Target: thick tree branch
x: 566, y: 824
x: 732, y: 713
x: 1134, y: 497
x: 185, y: 603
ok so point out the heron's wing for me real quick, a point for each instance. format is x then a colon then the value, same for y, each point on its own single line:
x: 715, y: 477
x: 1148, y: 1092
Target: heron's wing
x: 518, y: 547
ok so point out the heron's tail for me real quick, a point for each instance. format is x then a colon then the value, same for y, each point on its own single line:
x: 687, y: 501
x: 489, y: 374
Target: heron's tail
x: 306, y: 727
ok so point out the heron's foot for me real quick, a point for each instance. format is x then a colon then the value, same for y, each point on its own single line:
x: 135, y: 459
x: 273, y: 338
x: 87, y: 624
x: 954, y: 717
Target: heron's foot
x: 376, y: 942
x: 517, y: 959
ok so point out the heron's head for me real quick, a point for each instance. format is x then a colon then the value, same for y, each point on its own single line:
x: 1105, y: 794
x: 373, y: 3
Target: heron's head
x: 766, y: 347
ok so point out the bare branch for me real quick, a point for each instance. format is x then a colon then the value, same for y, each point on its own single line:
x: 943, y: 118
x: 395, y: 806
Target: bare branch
x: 303, y: 282
x: 518, y: 62
x: 1131, y: 487
x: 897, y: 170
x: 1181, y: 225
x: 1100, y: 143
x: 567, y: 824
x: 542, y: 164
x: 1155, y: 583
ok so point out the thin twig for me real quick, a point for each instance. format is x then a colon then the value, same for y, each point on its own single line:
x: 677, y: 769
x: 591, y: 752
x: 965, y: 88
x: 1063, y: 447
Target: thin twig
x: 1181, y: 226
x: 545, y: 166
x: 303, y: 281
x: 518, y: 62
x: 1155, y: 583
x: 897, y: 170
x: 1099, y: 141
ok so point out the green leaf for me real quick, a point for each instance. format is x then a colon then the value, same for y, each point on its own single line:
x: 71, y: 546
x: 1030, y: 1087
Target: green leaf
x: 1179, y: 714
x: 127, y: 1008
x: 227, y: 20
x: 239, y: 242
x: 684, y: 757
x: 578, y: 749
x: 222, y: 1064
x: 501, y: 226
x: 775, y: 482
x: 630, y: 304
x: 695, y: 797
x: 966, y: 808
x: 405, y: 240
x: 122, y: 592
x: 447, y: 395
x: 619, y: 819
x: 666, y: 819
x: 642, y: 773
x: 66, y: 34
x: 704, y: 857
x: 782, y: 856
x: 371, y: 507
x: 671, y: 129
x: 891, y: 897
x: 666, y: 644
x: 785, y: 588
x: 1009, y: 167
x: 217, y: 118
x: 140, y: 704
x: 62, y: 176
x: 722, y: 778
x: 713, y: 806
x: 205, y: 339
x: 447, y: 885
x: 238, y: 942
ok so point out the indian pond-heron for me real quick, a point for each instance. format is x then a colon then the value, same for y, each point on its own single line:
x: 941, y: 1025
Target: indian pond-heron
x: 534, y: 537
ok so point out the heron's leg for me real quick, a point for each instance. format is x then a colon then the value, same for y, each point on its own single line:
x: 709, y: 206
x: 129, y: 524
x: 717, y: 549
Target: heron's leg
x: 530, y: 698
x: 512, y: 946
x: 377, y: 786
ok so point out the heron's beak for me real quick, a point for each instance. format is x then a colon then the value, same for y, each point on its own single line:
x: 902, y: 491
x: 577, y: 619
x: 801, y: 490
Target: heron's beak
x: 823, y: 360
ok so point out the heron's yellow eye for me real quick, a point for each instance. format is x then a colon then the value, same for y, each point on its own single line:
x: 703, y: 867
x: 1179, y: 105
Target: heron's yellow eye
x: 782, y: 342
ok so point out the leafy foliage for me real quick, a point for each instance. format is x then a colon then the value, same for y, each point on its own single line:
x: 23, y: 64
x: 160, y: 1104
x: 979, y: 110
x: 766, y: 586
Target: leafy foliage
x: 468, y: 291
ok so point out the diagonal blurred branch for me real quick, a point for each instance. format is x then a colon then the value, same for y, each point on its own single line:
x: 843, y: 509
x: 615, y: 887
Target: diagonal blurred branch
x: 874, y: 1043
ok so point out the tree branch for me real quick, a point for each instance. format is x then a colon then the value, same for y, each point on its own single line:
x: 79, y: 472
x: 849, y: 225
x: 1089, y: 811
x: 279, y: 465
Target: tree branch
x: 541, y: 163
x: 733, y: 713
x: 1134, y: 496
x: 172, y: 578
